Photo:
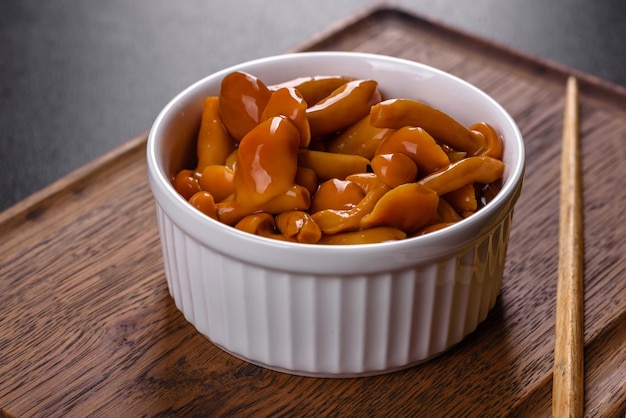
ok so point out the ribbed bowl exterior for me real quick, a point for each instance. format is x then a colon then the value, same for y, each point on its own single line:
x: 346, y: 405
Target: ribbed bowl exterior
x: 333, y: 326
x: 333, y: 311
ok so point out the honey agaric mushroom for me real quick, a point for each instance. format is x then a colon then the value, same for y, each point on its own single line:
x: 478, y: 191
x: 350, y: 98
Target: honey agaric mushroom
x: 296, y: 198
x: 297, y: 225
x: 333, y: 221
x: 394, y: 169
x: 288, y: 102
x: 360, y: 138
x: 314, y: 88
x: 262, y: 224
x: 214, y: 143
x: 365, y: 236
x: 242, y: 99
x: 398, y: 113
x: 267, y: 161
x: 219, y: 181
x: 417, y: 144
x: 407, y: 207
x: 466, y: 171
x: 336, y: 194
x: 345, y: 106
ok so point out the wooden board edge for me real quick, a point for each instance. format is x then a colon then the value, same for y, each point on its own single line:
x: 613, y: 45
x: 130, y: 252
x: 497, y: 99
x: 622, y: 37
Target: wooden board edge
x: 5, y: 414
x: 340, y: 26
x: 588, y: 83
x: 38, y: 199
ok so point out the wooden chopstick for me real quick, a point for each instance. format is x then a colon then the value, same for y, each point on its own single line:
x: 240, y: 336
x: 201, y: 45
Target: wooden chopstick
x: 568, y: 376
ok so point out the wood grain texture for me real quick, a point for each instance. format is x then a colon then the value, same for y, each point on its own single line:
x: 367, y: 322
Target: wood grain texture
x: 568, y: 375
x: 87, y: 326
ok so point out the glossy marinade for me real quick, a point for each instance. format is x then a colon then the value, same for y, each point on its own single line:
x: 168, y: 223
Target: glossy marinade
x: 329, y: 160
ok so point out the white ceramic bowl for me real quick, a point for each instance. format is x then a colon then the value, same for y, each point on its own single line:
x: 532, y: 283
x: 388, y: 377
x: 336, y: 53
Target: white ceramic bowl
x: 333, y: 311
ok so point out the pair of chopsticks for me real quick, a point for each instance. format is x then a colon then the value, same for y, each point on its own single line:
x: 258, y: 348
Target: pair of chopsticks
x: 568, y: 373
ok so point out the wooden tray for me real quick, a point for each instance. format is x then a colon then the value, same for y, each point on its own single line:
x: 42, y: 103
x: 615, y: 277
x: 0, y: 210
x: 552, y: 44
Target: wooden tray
x: 87, y: 325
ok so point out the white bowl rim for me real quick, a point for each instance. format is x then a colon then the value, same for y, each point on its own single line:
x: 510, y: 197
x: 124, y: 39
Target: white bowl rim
x: 255, y: 249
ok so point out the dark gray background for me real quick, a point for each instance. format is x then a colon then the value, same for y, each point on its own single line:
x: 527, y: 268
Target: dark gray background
x: 79, y: 77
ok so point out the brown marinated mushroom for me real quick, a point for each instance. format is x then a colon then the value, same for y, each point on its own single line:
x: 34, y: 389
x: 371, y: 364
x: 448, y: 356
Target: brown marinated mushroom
x: 336, y: 194
x: 267, y: 161
x: 360, y: 138
x: 288, y: 102
x: 466, y: 171
x: 214, y: 144
x: 219, y: 181
x: 398, y: 113
x: 314, y: 88
x: 204, y: 202
x: 242, y: 100
x: 366, y: 236
x: 417, y: 144
x: 343, y: 107
x: 297, y: 225
x: 394, y: 169
x: 262, y: 224
x: 407, y: 207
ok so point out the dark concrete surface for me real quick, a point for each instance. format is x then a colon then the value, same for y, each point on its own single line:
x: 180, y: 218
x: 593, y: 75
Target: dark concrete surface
x: 79, y: 77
